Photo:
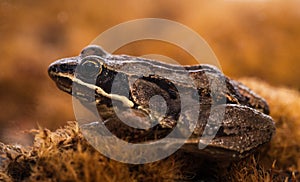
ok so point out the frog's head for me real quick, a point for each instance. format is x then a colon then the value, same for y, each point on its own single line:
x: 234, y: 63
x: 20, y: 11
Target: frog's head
x: 82, y: 69
x: 88, y: 76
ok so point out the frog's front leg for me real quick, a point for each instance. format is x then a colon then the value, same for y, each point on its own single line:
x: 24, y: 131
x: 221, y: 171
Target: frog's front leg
x: 91, y: 124
x: 159, y: 98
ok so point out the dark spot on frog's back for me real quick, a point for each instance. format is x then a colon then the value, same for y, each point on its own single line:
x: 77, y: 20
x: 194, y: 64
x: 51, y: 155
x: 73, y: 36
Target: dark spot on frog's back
x: 164, y: 84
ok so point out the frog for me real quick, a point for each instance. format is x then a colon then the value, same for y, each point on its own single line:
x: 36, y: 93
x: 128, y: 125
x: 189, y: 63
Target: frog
x: 245, y: 125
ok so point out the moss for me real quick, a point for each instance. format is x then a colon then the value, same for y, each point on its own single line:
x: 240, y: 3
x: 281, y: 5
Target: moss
x: 64, y: 155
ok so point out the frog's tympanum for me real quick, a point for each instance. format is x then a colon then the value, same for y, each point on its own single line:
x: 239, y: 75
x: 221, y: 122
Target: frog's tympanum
x: 140, y: 86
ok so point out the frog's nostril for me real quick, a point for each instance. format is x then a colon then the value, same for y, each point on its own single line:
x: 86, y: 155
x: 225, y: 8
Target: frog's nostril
x: 52, y: 69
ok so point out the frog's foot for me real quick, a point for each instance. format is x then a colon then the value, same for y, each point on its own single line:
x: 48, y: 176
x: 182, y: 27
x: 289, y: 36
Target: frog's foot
x: 168, y: 122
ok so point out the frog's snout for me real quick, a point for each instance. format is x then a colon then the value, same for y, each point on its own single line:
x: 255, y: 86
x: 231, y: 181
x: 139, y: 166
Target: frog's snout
x: 62, y: 73
x: 52, y: 70
x: 63, y: 66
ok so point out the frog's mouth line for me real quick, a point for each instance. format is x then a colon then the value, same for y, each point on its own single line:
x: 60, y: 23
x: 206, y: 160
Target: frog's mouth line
x: 66, y: 83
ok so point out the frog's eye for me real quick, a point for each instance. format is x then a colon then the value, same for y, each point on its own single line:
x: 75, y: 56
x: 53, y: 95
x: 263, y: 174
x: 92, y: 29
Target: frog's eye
x: 90, y: 67
x: 93, y: 50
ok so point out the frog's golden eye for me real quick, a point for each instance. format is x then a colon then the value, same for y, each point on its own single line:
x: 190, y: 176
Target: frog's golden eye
x: 90, y: 67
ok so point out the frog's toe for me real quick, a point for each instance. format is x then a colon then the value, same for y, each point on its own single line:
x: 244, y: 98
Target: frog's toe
x: 168, y: 122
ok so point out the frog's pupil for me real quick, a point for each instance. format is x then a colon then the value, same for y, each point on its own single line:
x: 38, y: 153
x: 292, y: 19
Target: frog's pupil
x: 90, y: 68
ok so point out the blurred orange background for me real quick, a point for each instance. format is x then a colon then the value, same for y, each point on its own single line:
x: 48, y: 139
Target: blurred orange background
x: 250, y: 38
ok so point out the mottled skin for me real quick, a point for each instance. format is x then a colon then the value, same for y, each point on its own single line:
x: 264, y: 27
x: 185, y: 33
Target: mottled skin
x: 244, y: 127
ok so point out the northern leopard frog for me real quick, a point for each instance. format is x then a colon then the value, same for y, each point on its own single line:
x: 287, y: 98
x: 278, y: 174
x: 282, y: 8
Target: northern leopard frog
x: 244, y: 128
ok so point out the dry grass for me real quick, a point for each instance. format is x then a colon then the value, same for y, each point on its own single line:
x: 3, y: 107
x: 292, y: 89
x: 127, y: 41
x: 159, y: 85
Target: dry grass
x: 259, y: 38
x: 64, y: 155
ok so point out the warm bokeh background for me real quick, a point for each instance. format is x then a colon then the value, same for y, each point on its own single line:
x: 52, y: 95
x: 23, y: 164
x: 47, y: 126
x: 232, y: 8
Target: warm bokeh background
x: 258, y: 39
